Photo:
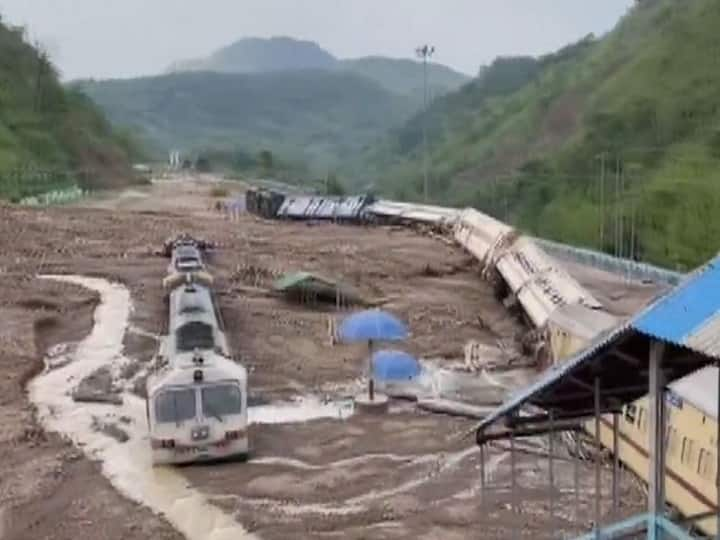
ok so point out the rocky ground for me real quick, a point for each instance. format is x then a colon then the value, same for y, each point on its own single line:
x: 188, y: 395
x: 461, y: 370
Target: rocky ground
x: 406, y: 475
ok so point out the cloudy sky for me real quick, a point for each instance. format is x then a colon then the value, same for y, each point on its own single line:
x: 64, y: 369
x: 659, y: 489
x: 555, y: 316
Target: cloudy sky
x: 122, y: 38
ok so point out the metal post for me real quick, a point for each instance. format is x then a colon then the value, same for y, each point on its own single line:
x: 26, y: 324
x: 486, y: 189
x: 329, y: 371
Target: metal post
x: 717, y: 460
x: 617, y: 207
x: 602, y: 201
x: 551, y: 450
x: 616, y: 466
x: 598, y: 487
x: 371, y: 380
x: 425, y: 148
x: 656, y: 473
x: 426, y: 51
x: 513, y: 494
x: 482, y: 474
x: 576, y: 475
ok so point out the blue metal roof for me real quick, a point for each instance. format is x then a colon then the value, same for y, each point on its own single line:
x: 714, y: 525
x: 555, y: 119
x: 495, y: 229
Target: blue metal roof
x: 677, y: 318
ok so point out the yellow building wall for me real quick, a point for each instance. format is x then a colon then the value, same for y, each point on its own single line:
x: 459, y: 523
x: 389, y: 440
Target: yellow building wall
x: 690, y: 458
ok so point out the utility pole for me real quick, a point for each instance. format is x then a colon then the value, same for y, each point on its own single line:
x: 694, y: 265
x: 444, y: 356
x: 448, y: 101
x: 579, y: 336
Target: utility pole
x: 425, y: 52
x: 602, y: 201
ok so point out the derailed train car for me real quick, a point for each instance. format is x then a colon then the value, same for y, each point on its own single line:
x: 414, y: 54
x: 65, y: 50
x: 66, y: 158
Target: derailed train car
x: 526, y: 273
x: 197, y: 395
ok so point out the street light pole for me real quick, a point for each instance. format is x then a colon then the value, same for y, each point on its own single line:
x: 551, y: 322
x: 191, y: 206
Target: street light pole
x: 425, y: 52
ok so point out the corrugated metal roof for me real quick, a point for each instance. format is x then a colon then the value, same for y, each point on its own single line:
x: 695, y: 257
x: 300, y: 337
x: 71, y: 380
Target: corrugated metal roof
x: 687, y: 316
x: 700, y: 389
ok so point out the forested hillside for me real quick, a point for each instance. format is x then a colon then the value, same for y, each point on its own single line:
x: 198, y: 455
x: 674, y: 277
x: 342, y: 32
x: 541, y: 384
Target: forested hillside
x: 316, y: 117
x: 633, y: 113
x: 49, y: 135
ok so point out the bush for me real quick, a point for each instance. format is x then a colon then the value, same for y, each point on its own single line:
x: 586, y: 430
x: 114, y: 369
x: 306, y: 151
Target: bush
x: 219, y: 192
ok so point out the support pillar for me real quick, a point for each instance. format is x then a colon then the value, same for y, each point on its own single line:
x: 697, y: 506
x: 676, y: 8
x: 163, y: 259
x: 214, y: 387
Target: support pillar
x: 513, y: 489
x: 656, y: 473
x: 482, y: 475
x: 576, y: 476
x: 598, y: 486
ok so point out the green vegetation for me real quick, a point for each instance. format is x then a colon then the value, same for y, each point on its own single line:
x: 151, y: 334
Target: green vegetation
x: 529, y: 139
x: 50, y: 138
x: 319, y: 118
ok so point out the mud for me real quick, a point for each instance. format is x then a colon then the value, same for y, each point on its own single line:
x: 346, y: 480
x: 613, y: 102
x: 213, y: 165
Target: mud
x: 322, y: 472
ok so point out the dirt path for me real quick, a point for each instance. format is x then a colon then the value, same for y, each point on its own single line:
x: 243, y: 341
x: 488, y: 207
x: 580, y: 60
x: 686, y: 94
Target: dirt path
x: 407, y: 475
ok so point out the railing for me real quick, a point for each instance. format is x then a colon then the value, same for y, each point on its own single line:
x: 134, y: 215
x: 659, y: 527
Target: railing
x: 52, y: 186
x: 656, y: 526
x: 55, y: 197
x: 632, y: 270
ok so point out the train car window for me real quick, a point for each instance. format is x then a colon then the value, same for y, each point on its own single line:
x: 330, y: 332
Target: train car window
x: 687, y: 451
x: 221, y: 400
x: 671, y: 441
x: 642, y: 419
x: 706, y: 464
x: 630, y: 412
x: 175, y: 406
x: 195, y: 335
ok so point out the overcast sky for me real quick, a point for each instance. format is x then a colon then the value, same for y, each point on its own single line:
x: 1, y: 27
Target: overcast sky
x: 122, y: 38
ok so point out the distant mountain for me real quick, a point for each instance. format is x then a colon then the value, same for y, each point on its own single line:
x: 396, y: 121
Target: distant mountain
x: 256, y: 55
x: 320, y: 117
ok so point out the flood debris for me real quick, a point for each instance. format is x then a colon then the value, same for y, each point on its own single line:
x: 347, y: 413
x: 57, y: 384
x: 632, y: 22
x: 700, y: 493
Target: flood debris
x: 110, y: 429
x: 97, y: 387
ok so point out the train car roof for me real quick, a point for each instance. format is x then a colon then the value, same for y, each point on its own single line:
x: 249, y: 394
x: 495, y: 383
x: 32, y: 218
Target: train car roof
x: 699, y: 389
x: 581, y: 321
x: 216, y: 368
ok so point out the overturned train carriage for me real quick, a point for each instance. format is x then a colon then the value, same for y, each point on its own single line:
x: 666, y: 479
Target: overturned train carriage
x: 197, y: 396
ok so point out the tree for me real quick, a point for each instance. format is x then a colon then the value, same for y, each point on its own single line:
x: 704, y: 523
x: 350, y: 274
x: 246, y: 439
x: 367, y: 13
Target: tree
x: 266, y: 160
x: 334, y: 186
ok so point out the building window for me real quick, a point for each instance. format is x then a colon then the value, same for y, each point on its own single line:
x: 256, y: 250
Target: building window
x: 642, y: 419
x: 630, y: 412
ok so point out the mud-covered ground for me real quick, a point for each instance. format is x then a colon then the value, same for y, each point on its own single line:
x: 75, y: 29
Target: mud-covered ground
x: 404, y: 475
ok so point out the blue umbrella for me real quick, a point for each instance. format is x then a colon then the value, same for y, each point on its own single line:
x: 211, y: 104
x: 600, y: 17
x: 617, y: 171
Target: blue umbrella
x: 372, y: 325
x: 391, y: 365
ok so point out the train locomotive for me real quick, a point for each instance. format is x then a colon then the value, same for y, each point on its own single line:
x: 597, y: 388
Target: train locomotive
x: 197, y: 394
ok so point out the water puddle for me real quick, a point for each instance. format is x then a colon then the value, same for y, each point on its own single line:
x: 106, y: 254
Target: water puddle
x: 300, y: 410
x: 127, y: 465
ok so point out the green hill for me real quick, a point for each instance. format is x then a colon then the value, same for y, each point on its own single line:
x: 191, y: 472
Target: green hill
x: 405, y: 77
x: 319, y: 117
x: 643, y: 100
x: 48, y: 134
x: 258, y: 55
